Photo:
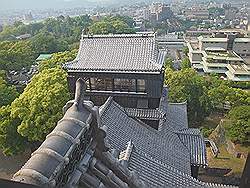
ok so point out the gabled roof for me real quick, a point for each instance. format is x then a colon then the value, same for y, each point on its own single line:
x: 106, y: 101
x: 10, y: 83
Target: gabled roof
x: 118, y: 53
x: 167, y: 148
x: 176, y: 120
x: 193, y: 140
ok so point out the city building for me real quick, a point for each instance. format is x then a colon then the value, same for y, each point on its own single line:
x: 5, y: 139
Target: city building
x: 230, y: 12
x: 196, y: 13
x: 224, y: 53
x: 207, y: 42
x: 23, y: 37
x: 238, y: 72
x: 242, y: 46
x: 127, y: 67
x: 157, y: 12
x: 216, y: 60
x: 43, y: 57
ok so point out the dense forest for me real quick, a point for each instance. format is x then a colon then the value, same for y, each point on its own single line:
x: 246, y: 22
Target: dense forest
x: 51, y: 36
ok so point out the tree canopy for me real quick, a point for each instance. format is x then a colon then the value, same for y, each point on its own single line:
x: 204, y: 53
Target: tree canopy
x: 16, y: 55
x: 67, y: 28
x: 34, y: 114
x: 187, y: 86
x: 185, y: 63
x: 11, y: 142
x: 115, y: 25
x: 7, y: 93
x: 203, y: 94
x: 39, y: 107
x: 169, y: 63
x: 239, y: 128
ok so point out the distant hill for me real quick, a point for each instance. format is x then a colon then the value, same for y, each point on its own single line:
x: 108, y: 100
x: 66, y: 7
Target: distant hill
x: 37, y: 4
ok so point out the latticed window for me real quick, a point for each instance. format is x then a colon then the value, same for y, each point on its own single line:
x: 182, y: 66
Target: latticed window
x: 124, y: 84
x: 141, y: 86
x: 101, y: 84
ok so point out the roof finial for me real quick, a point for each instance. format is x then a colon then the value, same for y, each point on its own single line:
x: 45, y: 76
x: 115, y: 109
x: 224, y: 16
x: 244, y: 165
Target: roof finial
x: 85, y: 31
x: 80, y: 90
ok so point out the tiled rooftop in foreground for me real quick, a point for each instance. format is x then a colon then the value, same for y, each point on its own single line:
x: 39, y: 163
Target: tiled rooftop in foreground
x: 105, y: 147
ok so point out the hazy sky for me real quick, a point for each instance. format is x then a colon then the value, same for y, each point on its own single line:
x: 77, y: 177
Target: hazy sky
x: 31, y: 4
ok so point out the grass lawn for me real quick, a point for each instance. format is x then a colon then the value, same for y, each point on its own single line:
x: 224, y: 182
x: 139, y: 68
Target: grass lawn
x: 212, y: 121
x: 226, y: 160
x: 243, y: 148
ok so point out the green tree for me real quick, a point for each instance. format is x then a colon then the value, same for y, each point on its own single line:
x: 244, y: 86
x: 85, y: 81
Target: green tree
x: 221, y: 92
x: 47, y: 43
x: 11, y: 142
x: 239, y: 128
x: 185, y: 50
x: 185, y: 63
x: 115, y: 25
x: 169, y: 63
x: 16, y: 55
x: 57, y: 60
x: 39, y: 107
x: 215, y: 11
x: 7, y: 93
x: 101, y: 27
x: 187, y: 85
x: 36, y: 111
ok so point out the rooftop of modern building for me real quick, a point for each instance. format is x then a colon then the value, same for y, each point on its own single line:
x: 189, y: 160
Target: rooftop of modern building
x: 125, y: 53
x: 217, y: 49
x: 42, y: 57
x: 242, y: 40
x: 193, y: 45
x: 234, y: 30
x: 223, y: 55
x: 212, y: 39
x: 239, y: 68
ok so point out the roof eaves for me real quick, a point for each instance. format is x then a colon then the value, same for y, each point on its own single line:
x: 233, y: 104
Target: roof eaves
x: 113, y: 71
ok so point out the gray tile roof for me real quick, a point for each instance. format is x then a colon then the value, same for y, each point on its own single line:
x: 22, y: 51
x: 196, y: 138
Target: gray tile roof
x: 160, y: 158
x: 118, y: 53
x: 176, y: 120
x: 153, y: 114
x: 166, y: 148
x: 194, y: 141
x: 176, y: 116
x: 158, y: 174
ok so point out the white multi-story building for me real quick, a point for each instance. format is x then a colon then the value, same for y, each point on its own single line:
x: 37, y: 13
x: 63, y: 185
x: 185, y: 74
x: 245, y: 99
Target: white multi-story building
x: 238, y: 72
x: 242, y: 46
x: 212, y: 42
x: 221, y: 55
